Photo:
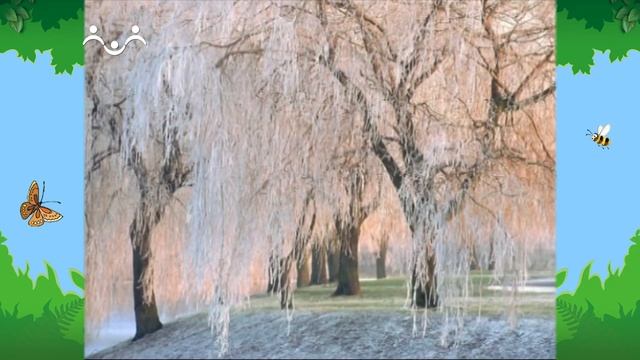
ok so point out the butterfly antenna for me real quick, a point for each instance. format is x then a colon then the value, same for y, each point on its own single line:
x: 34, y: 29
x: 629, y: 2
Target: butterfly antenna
x: 42, y: 197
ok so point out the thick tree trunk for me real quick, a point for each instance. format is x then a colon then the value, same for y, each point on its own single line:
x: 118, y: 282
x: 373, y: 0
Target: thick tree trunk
x: 425, y: 295
x: 146, y: 313
x: 304, y: 274
x: 318, y: 265
x: 348, y: 277
x: 381, y: 259
x: 148, y: 214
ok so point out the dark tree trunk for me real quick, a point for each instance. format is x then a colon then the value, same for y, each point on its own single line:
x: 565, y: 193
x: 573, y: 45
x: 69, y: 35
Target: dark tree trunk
x: 318, y: 265
x: 492, y: 257
x: 172, y: 176
x: 304, y: 274
x: 425, y: 295
x: 285, y: 301
x: 474, y: 265
x: 381, y: 259
x: 333, y: 262
x: 146, y: 313
x: 348, y: 277
x: 273, y: 281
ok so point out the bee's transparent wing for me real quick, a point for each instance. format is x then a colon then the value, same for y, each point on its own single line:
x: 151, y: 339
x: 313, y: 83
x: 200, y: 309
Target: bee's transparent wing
x: 599, y: 129
x: 605, y: 130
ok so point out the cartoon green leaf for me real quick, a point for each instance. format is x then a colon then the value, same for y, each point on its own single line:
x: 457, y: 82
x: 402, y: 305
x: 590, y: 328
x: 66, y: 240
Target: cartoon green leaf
x: 11, y: 15
x: 634, y: 15
x: 627, y: 25
x: 17, y: 25
x: 622, y: 13
x: 77, y: 279
x: 561, y: 276
x: 628, y: 2
x: 16, y: 2
x: 22, y: 12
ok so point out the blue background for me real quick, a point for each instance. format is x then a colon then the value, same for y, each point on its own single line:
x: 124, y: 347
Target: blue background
x: 598, y: 195
x: 42, y: 138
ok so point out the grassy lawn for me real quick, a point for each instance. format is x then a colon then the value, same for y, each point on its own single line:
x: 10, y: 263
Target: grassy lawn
x: 389, y: 295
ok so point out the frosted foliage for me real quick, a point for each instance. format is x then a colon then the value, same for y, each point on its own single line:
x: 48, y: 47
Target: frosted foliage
x: 244, y: 125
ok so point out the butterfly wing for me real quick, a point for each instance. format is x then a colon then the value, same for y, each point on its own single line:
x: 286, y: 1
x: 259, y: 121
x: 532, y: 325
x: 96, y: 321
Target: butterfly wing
x: 37, y: 219
x: 27, y: 209
x: 31, y: 205
x: 49, y: 215
x: 34, y: 194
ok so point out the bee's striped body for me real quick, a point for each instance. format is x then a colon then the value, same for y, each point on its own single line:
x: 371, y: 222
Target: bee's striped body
x: 600, y: 137
x: 601, y: 140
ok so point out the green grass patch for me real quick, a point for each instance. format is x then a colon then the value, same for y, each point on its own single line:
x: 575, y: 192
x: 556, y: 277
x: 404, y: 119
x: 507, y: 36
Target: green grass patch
x: 38, y: 320
x: 390, y: 295
x: 602, y: 319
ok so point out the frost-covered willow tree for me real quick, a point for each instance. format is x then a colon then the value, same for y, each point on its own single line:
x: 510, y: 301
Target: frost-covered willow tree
x: 129, y: 156
x: 453, y: 98
x: 245, y: 131
x: 197, y: 149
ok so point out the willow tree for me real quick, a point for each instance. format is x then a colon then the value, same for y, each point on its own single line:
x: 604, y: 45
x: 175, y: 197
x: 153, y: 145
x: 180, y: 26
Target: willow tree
x: 240, y: 110
x: 153, y: 158
x: 182, y: 166
x: 138, y: 164
x: 445, y: 91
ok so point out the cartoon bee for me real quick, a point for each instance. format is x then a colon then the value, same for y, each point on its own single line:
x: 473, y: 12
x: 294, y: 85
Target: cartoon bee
x: 600, y: 137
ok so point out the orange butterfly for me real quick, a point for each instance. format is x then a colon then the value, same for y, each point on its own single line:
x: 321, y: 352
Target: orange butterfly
x: 33, y: 205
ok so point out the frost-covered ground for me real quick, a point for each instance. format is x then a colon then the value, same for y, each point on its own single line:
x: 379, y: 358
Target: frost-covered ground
x: 373, y: 325
x: 343, y: 334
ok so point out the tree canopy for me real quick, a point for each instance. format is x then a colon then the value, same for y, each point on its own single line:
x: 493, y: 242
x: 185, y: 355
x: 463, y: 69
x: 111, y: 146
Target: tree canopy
x: 43, y: 25
x: 599, y: 25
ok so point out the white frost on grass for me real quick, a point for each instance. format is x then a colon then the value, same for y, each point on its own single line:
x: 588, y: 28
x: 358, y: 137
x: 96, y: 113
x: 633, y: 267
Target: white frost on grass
x: 343, y: 334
